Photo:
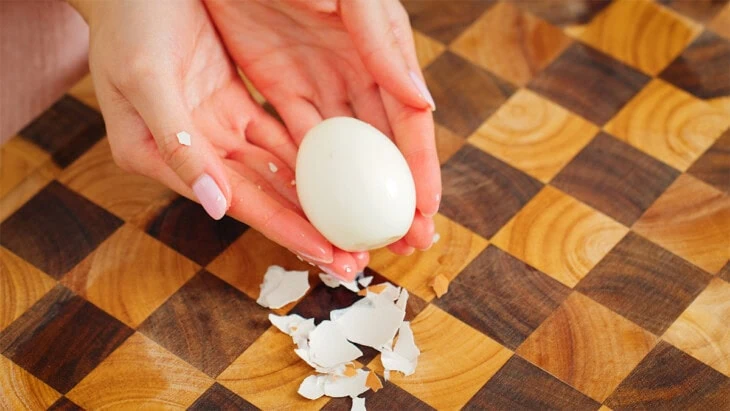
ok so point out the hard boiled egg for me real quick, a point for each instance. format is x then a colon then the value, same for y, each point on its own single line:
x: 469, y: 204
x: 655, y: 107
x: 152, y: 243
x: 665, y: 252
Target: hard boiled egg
x: 354, y: 185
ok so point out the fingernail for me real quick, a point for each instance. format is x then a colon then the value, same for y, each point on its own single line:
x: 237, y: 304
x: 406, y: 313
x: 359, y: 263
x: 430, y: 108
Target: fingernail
x: 409, y: 251
x: 332, y: 273
x: 438, y: 205
x: 315, y: 259
x: 422, y: 89
x: 210, y: 196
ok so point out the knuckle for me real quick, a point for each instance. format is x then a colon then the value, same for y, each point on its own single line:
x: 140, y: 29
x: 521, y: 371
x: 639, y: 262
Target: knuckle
x: 175, y: 155
x: 141, y: 68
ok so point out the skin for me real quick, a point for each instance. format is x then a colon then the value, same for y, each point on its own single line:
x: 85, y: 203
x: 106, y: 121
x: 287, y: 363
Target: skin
x: 166, y: 66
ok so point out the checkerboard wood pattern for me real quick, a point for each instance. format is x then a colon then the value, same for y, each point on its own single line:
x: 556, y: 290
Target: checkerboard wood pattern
x: 585, y: 229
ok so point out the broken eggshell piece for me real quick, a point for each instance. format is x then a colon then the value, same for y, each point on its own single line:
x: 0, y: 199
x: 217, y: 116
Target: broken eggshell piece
x: 281, y: 287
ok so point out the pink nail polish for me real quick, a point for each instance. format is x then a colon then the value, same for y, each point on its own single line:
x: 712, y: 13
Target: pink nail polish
x: 210, y: 196
x: 332, y: 273
x: 422, y: 89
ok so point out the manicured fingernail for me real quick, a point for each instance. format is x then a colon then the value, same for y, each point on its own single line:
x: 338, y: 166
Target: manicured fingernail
x: 210, y: 196
x: 409, y: 251
x: 332, y: 273
x: 422, y: 89
x: 317, y: 260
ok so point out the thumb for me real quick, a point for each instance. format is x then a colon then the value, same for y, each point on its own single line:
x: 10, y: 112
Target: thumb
x: 182, y: 146
x: 377, y: 38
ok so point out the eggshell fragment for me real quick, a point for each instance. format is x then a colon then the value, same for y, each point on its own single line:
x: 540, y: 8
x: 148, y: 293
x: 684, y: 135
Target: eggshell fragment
x: 365, y: 281
x: 341, y: 386
x: 312, y: 387
x: 184, y: 138
x: 334, y: 282
x: 371, y: 324
x: 404, y: 357
x: 329, y: 347
x: 281, y: 287
x: 440, y: 285
x: 373, y: 382
x: 358, y: 404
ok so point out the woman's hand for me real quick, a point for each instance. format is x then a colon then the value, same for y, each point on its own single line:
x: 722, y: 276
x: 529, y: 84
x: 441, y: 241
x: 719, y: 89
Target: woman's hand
x: 315, y: 59
x: 159, y: 68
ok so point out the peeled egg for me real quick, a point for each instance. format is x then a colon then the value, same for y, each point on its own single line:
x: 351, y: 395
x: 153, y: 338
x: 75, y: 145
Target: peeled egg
x: 354, y: 185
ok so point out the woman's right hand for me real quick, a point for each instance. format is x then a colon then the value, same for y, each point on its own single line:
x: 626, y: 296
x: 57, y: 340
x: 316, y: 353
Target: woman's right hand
x: 159, y: 68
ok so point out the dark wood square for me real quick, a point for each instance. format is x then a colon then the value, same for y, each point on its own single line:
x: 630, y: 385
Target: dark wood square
x: 564, y: 14
x: 481, y: 192
x: 589, y: 83
x: 470, y: 94
x: 186, y: 227
x: 64, y: 404
x: 390, y: 397
x: 700, y: 10
x: 615, y: 178
x: 62, y: 338
x: 502, y: 297
x: 713, y: 167
x: 323, y: 299
x: 444, y: 20
x: 645, y: 283
x: 207, y: 323
x: 725, y: 272
x: 519, y: 385
x: 670, y: 379
x: 66, y: 130
x: 702, y: 68
x: 218, y: 397
x: 56, y: 229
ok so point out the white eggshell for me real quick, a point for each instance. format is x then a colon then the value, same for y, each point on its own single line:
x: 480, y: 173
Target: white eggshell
x: 354, y: 185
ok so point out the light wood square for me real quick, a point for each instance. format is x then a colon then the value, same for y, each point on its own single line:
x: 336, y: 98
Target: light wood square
x: 559, y: 236
x: 702, y: 330
x: 26, y: 189
x: 519, y: 44
x: 140, y: 374
x: 130, y: 275
x: 455, y: 362
x: 18, y: 159
x: 20, y: 390
x: 132, y: 197
x: 669, y: 124
x: 534, y: 134
x: 427, y: 49
x: 456, y: 248
x: 721, y: 23
x: 587, y: 346
x: 691, y: 219
x: 639, y: 33
x: 269, y: 373
x: 21, y: 285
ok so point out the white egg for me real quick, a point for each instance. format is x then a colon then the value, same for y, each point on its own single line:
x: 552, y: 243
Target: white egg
x: 354, y: 185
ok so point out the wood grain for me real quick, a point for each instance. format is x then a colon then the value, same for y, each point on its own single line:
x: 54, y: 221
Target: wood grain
x: 455, y: 362
x: 472, y: 93
x: 130, y: 275
x: 588, y: 346
x: 615, y: 178
x: 669, y: 124
x: 712, y: 53
x: 520, y: 385
x: 218, y: 397
x: 534, y: 135
x: 589, y: 83
x: 64, y: 404
x: 66, y: 130
x: 427, y: 49
x: 691, y: 219
x: 645, y: 283
x: 138, y: 374
x: 28, y: 188
x: 456, y: 248
x: 640, y: 33
x: 701, y: 10
x: 721, y: 23
x: 526, y: 44
x: 187, y: 228
x: 725, y: 272
x: 444, y: 20
x: 390, y: 397
x: 20, y: 390
x: 502, y: 297
x: 562, y: 14
x: 62, y: 338
x: 447, y: 143
x: 268, y: 374
x: 559, y: 236
x: 21, y: 285
x: 207, y: 306
x: 56, y: 229
x: 129, y: 196
x: 713, y: 167
x: 18, y: 159
x: 481, y: 192
x: 670, y: 379
x: 702, y: 329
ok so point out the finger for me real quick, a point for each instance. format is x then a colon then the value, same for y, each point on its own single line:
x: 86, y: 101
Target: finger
x: 335, y: 108
x: 362, y: 259
x: 262, y: 184
x: 299, y: 116
x: 160, y: 102
x: 270, y: 168
x: 343, y: 267
x: 376, y: 35
x: 420, y: 235
x: 415, y: 137
x: 368, y: 107
x: 401, y: 247
x: 277, y: 222
x: 267, y: 133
